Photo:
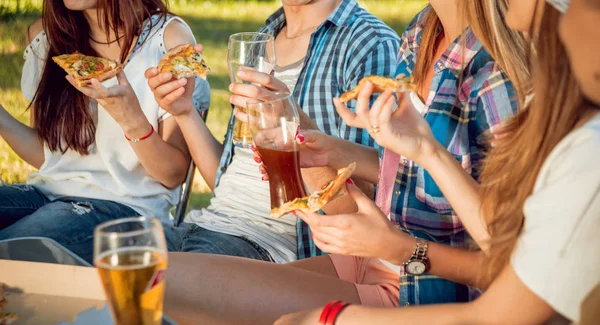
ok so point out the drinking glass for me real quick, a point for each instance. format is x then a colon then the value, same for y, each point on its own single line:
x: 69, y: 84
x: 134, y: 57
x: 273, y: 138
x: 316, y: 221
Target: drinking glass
x: 131, y: 257
x: 274, y: 123
x: 255, y: 51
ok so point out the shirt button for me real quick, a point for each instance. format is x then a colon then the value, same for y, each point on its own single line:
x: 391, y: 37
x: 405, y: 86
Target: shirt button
x: 407, y: 304
x: 398, y: 192
x: 223, y: 169
x: 404, y: 161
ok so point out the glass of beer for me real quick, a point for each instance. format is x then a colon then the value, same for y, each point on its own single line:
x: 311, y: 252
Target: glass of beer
x: 131, y: 257
x: 274, y: 124
x: 255, y: 51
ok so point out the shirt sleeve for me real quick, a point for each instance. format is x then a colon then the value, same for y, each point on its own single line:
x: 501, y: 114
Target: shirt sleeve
x: 380, y: 61
x: 558, y: 253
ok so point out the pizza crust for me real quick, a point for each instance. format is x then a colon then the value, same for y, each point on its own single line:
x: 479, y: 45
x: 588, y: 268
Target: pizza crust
x: 318, y: 199
x: 191, y: 63
x: 380, y: 84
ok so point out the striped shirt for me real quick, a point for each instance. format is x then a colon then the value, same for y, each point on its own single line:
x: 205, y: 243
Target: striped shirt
x: 459, y: 120
x: 349, y: 45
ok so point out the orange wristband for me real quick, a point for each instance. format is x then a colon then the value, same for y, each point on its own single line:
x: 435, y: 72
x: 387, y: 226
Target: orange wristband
x: 142, y: 138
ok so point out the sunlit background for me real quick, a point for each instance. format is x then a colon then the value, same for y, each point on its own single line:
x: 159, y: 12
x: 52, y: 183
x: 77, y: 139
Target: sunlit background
x: 212, y: 23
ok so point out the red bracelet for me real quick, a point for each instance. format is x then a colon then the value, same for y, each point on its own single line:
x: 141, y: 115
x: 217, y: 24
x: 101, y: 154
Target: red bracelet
x: 326, y: 311
x: 335, y: 312
x: 142, y: 138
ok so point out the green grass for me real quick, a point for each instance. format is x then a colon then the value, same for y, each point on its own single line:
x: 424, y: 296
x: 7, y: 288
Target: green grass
x: 212, y: 23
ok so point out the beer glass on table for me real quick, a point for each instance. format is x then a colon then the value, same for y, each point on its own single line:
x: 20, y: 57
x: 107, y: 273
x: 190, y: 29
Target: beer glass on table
x: 131, y: 257
x: 255, y: 51
x: 274, y: 124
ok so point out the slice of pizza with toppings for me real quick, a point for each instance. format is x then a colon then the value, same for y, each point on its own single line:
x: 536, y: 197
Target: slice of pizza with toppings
x: 380, y: 84
x: 318, y: 199
x: 84, y: 68
x: 184, y: 62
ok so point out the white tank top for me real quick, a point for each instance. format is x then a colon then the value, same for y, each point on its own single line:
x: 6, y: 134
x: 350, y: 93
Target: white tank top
x: 112, y: 170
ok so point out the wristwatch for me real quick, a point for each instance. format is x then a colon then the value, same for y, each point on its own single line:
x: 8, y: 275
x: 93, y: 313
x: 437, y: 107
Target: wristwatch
x: 418, y: 263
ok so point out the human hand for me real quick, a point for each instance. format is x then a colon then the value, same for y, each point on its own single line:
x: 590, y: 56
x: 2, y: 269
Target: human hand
x: 242, y: 92
x: 301, y: 318
x: 174, y: 96
x: 120, y: 102
x: 316, y: 149
x: 400, y: 128
x: 365, y: 233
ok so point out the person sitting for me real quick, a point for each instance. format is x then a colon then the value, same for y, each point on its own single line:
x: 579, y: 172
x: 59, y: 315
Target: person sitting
x: 82, y: 139
x: 537, y: 212
x: 312, y: 39
x: 238, y: 290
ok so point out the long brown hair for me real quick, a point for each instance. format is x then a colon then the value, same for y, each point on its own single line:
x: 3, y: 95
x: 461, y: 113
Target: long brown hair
x: 61, y: 113
x: 525, y: 142
x: 486, y: 19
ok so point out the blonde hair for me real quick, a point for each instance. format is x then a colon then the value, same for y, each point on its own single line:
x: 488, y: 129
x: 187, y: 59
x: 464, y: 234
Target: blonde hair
x: 513, y: 165
x: 508, y: 48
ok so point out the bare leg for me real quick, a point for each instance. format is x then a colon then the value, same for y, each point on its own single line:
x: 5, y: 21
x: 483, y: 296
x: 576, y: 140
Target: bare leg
x: 321, y: 264
x: 216, y: 289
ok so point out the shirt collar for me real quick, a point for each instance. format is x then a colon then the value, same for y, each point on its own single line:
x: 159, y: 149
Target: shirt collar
x: 455, y: 54
x: 341, y: 16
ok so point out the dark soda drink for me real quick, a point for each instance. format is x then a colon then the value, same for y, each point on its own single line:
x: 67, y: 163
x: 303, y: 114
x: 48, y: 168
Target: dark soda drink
x: 285, y: 178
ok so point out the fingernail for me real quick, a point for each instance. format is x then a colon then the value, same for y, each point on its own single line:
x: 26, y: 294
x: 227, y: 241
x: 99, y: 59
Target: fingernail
x: 257, y: 159
x: 301, y: 138
x: 350, y: 181
x: 241, y: 73
x: 182, y: 81
x: 231, y: 87
x: 295, y: 213
x: 312, y: 236
x: 253, y: 147
x: 264, y: 178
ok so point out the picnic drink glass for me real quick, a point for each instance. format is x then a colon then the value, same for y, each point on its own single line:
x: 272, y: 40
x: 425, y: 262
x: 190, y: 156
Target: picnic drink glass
x: 255, y: 51
x: 274, y: 124
x: 131, y: 257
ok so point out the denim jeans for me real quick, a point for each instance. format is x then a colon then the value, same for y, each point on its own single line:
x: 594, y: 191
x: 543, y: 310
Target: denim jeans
x: 189, y: 237
x: 26, y: 212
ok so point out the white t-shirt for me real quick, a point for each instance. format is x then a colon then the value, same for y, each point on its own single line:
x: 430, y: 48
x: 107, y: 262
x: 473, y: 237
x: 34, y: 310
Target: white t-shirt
x: 558, y: 253
x: 112, y: 170
x: 241, y: 205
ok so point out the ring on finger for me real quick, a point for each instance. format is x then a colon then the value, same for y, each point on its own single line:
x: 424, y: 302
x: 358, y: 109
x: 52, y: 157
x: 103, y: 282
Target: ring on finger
x: 375, y: 129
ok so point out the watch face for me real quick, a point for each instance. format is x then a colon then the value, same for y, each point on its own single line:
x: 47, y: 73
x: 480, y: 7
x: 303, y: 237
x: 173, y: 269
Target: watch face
x: 416, y: 267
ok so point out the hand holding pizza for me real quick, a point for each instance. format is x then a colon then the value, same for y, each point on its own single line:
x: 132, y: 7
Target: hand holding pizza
x: 120, y: 102
x: 365, y: 233
x: 400, y: 128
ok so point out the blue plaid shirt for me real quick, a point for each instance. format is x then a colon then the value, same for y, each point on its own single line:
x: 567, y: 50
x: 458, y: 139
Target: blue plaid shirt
x: 459, y: 120
x: 349, y: 45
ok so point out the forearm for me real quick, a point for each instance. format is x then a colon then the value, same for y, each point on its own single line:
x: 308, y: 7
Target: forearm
x: 446, y: 314
x: 162, y: 161
x: 204, y: 148
x: 22, y: 139
x: 451, y: 263
x: 366, y: 158
x: 461, y: 190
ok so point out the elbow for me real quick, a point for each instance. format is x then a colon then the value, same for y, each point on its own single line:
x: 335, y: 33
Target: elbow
x: 174, y: 179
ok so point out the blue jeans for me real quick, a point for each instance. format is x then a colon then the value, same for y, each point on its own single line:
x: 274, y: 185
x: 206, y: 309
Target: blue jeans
x: 26, y: 212
x: 189, y: 237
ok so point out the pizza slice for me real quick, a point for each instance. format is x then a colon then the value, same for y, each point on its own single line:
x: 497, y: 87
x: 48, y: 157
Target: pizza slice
x: 184, y: 62
x: 84, y: 68
x: 380, y: 84
x: 318, y: 199
x: 5, y: 318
